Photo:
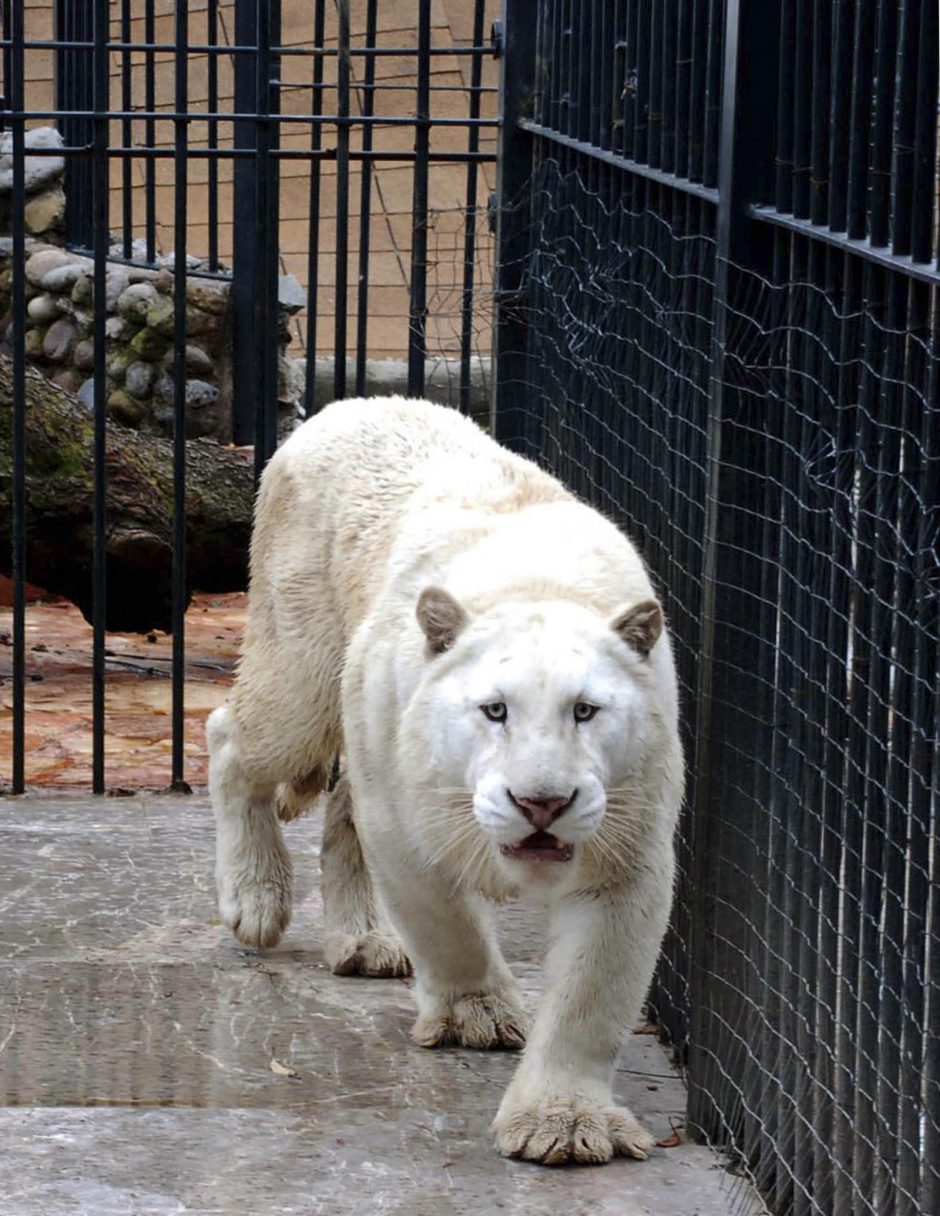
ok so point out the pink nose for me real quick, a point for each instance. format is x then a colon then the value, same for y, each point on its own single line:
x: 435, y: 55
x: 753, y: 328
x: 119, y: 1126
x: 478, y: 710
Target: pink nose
x: 541, y: 812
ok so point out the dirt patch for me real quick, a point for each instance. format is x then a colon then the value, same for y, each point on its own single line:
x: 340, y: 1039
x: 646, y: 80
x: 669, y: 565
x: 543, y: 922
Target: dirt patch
x: 137, y: 694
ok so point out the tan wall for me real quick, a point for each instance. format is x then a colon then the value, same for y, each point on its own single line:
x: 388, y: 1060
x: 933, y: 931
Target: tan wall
x: 390, y: 223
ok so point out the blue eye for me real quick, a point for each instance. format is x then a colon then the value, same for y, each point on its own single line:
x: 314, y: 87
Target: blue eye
x: 496, y: 711
x: 583, y: 712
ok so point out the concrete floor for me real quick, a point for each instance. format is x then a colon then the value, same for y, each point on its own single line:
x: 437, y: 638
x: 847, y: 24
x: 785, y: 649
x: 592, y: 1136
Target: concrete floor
x: 137, y: 1040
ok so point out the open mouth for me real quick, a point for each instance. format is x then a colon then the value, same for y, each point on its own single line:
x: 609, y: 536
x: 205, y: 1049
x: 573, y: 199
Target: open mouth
x: 540, y: 846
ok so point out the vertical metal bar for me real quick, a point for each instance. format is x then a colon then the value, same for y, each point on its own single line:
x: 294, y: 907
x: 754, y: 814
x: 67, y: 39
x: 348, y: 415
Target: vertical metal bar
x: 746, y: 175
x: 418, y: 305
x: 840, y: 109
x: 925, y: 135
x: 127, y: 192
x: 783, y: 181
x: 845, y: 816
x: 212, y: 140
x: 670, y: 69
x: 880, y: 181
x: 819, y: 140
x: 860, y: 122
x: 265, y: 229
x: 179, y: 588
x: 470, y: 215
x: 75, y: 91
x: 365, y: 204
x: 695, y: 120
x: 655, y: 113
x: 101, y: 240
x: 513, y: 193
x: 247, y: 368
x: 905, y: 123
x: 150, y: 132
x: 313, y: 242
x: 713, y: 87
x: 644, y: 98
x: 340, y: 322
x: 15, y: 86
x: 683, y: 69
x: 802, y: 91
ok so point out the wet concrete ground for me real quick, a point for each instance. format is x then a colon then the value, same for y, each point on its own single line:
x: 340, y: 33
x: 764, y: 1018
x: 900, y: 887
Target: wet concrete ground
x: 143, y: 1052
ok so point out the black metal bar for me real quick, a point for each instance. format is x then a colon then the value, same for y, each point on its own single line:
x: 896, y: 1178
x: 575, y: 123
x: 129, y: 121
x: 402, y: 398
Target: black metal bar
x: 365, y: 208
x: 127, y: 193
x: 841, y: 107
x: 265, y: 232
x: 238, y: 115
x: 76, y: 103
x: 470, y: 220
x: 313, y: 241
x: 212, y: 38
x: 513, y: 194
x: 749, y: 79
x: 819, y: 138
x: 247, y: 372
x: 14, y: 83
x: 277, y: 154
x: 630, y: 166
x: 880, y: 178
x: 340, y: 320
x: 101, y: 240
x: 418, y: 305
x: 904, y: 124
x: 881, y: 255
x: 150, y: 135
x: 179, y: 588
x: 925, y: 134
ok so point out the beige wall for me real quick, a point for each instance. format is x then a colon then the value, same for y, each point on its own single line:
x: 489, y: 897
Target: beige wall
x: 390, y: 223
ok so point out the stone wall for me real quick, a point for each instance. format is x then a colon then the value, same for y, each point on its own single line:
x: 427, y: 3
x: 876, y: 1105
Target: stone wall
x: 139, y: 326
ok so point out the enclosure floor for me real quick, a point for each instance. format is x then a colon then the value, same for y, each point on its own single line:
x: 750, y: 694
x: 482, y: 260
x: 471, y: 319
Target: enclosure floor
x: 137, y: 1042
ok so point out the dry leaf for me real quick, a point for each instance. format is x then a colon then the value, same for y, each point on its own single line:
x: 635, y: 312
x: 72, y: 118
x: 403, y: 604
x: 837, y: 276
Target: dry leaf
x: 281, y: 1070
x: 648, y: 1028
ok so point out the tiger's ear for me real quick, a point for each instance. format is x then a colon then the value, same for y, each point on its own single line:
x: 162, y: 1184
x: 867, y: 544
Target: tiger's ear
x: 640, y: 625
x: 441, y: 618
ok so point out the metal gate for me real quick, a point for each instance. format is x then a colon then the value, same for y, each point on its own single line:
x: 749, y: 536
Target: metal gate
x: 718, y: 321
x: 233, y: 141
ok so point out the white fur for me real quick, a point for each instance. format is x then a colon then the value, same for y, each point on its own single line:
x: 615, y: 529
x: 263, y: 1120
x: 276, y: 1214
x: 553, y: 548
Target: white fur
x: 361, y: 511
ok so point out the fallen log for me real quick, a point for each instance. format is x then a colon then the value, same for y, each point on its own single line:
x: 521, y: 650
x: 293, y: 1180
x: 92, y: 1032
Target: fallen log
x: 139, y: 531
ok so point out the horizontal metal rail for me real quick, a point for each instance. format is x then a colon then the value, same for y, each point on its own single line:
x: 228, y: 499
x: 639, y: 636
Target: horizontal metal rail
x: 881, y: 255
x: 620, y: 162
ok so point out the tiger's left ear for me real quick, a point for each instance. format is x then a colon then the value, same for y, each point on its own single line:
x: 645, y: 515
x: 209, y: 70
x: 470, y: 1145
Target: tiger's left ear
x: 640, y: 625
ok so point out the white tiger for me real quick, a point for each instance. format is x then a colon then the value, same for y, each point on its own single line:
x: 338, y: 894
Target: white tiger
x: 489, y: 655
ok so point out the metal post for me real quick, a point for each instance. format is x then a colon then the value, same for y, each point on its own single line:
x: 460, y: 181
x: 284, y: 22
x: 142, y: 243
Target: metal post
x: 246, y: 368
x: 515, y: 41
x: 745, y: 176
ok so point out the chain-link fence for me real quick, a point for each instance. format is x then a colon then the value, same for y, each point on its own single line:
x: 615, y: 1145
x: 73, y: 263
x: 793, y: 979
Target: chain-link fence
x: 719, y: 323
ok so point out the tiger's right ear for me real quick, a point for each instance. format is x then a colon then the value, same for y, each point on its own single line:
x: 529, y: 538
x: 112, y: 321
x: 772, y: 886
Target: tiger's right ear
x: 640, y: 626
x: 441, y: 618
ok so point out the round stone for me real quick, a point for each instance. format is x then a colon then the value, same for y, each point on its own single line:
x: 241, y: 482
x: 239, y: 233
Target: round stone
x: 39, y: 265
x: 59, y: 340
x: 125, y: 408
x: 83, y: 356
x: 43, y: 309
x: 135, y: 300
x: 138, y: 379
x: 199, y: 394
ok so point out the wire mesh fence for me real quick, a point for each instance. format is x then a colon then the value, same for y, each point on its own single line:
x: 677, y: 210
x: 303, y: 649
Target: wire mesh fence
x: 726, y: 335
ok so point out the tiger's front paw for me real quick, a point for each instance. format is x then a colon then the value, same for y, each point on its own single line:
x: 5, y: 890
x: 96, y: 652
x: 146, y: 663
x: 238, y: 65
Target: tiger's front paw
x: 484, y: 1021
x: 568, y: 1128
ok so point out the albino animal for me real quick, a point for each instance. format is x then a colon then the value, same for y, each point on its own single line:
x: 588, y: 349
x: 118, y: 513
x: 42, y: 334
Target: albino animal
x: 489, y: 655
